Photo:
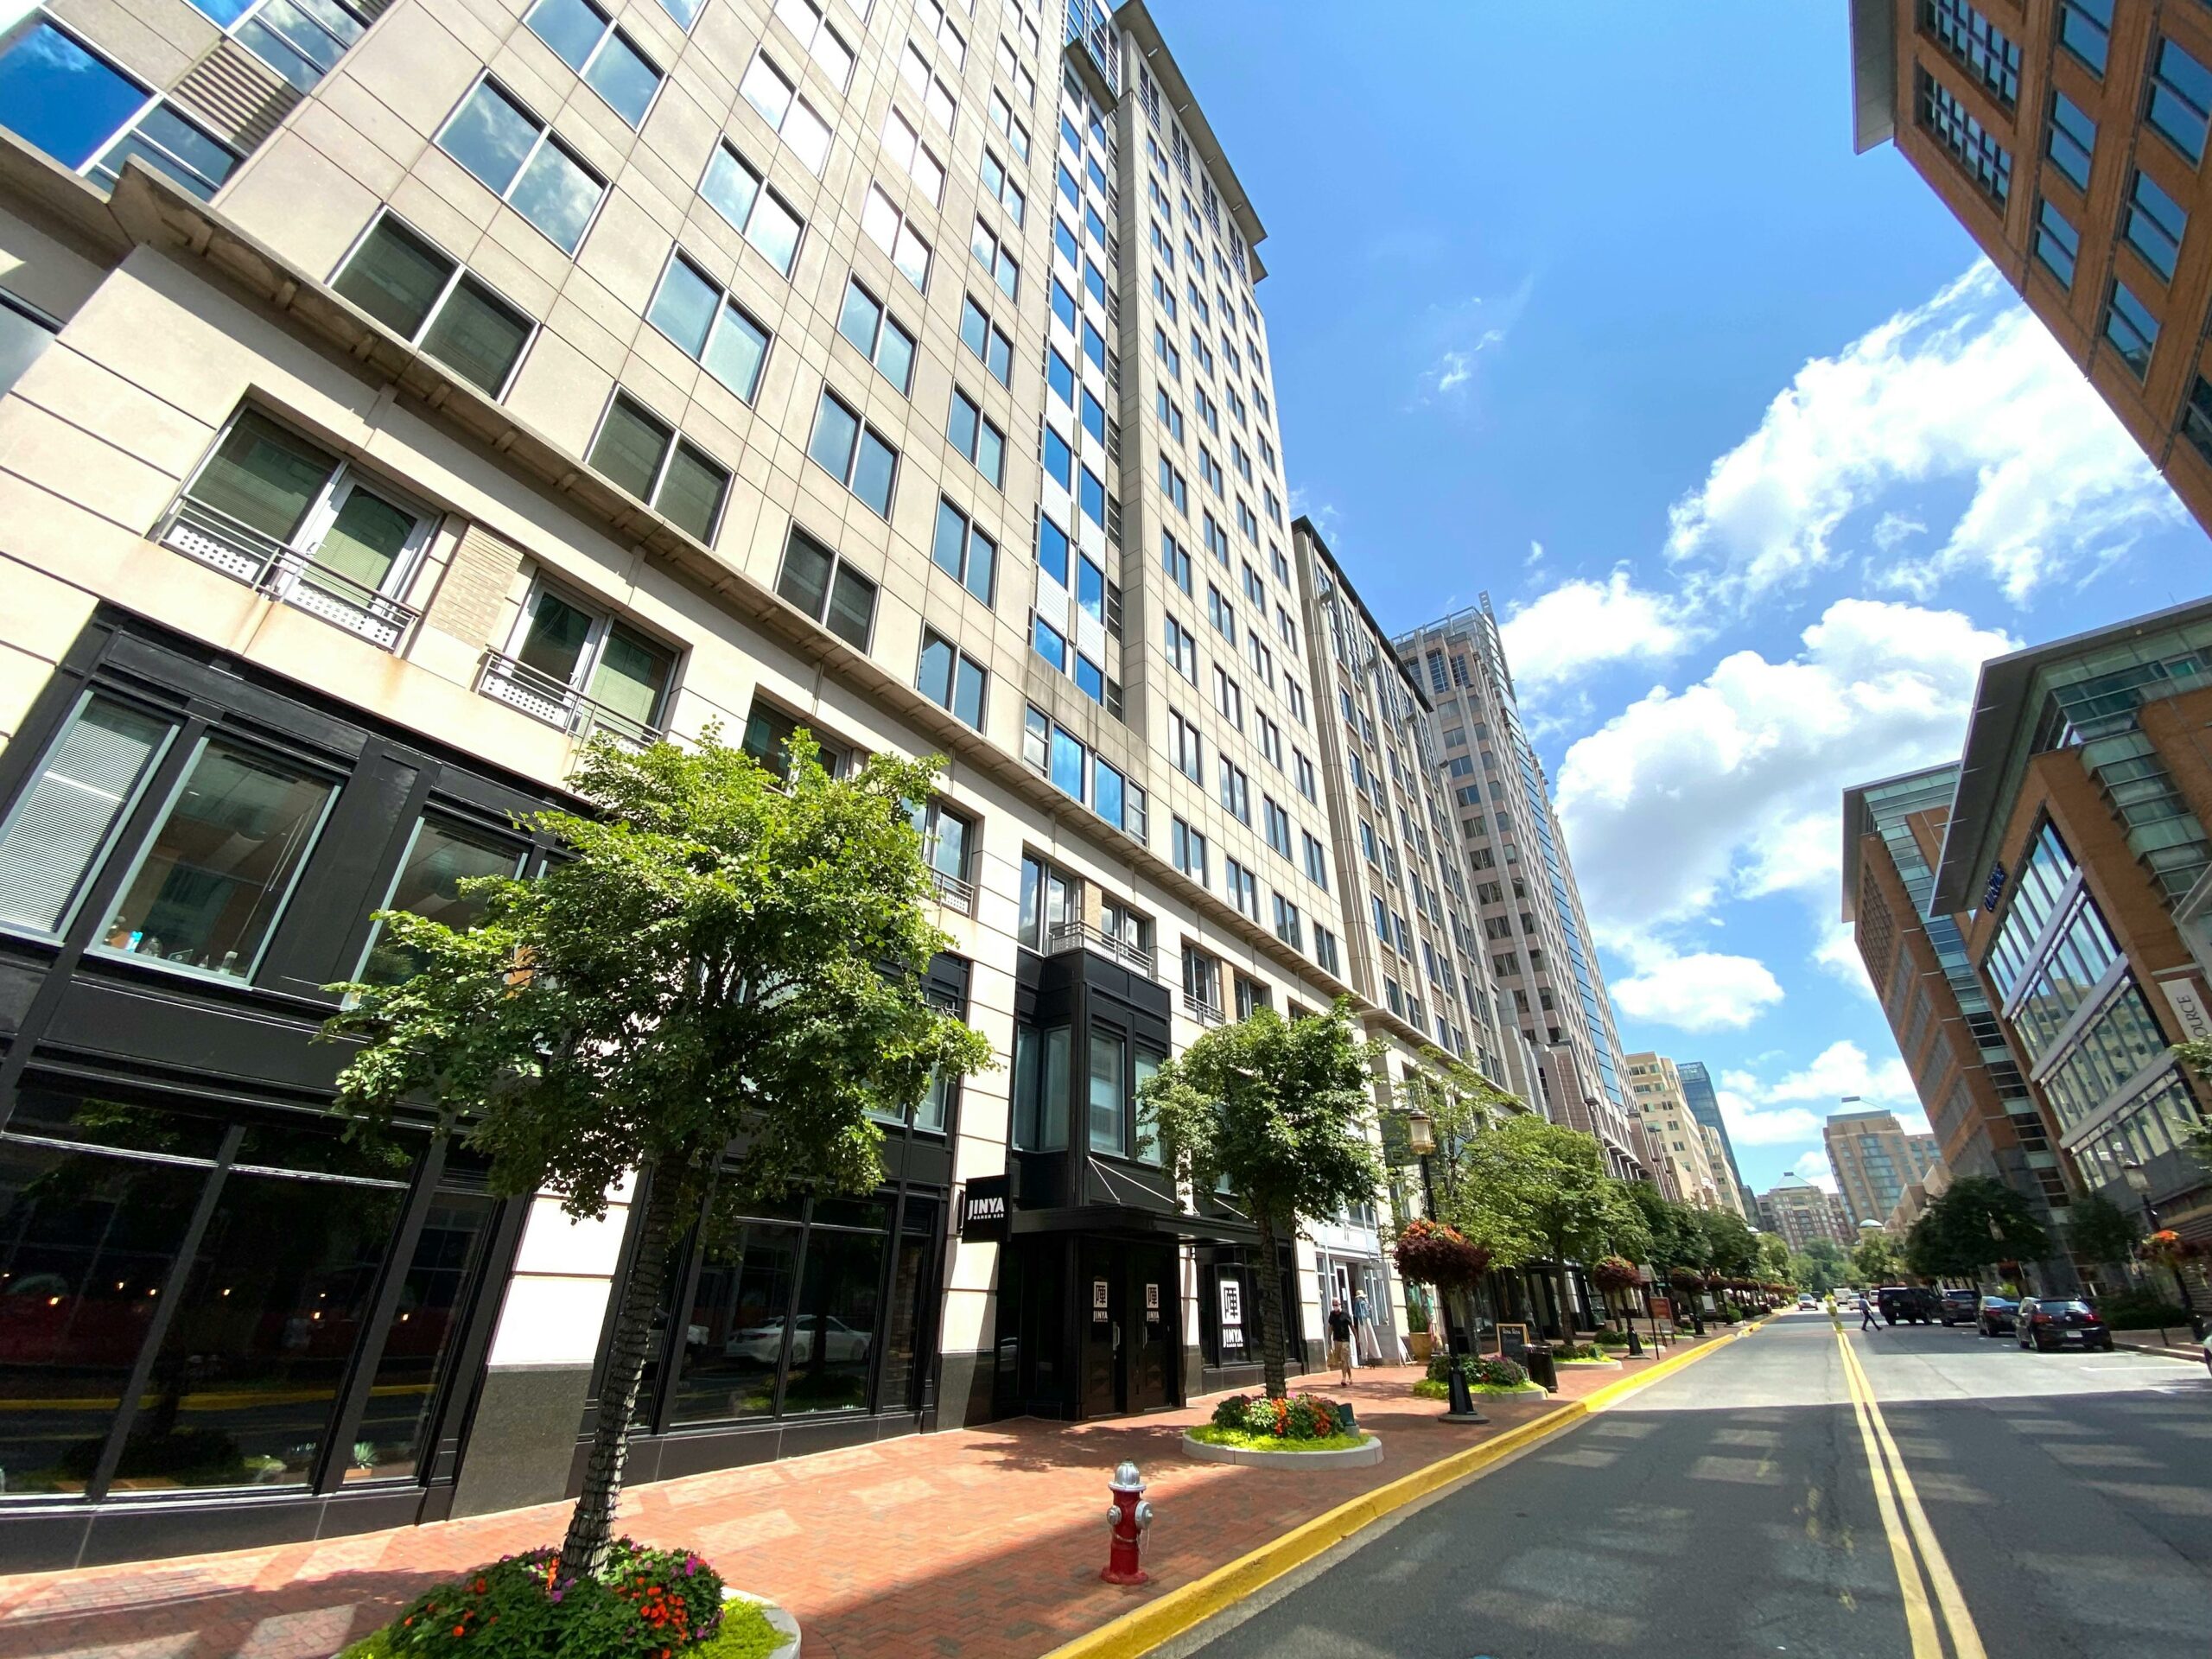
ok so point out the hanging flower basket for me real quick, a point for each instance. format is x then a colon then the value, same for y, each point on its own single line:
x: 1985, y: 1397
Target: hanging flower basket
x: 1614, y: 1274
x: 2165, y: 1247
x: 1430, y: 1253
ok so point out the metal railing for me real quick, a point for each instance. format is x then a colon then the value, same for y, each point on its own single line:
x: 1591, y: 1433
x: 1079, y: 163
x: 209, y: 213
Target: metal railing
x: 543, y: 698
x: 1202, y: 1011
x: 954, y: 892
x: 285, y: 573
x: 1081, y: 936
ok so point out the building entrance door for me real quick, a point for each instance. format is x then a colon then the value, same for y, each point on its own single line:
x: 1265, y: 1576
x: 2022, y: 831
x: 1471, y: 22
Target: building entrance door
x: 1130, y: 1311
x: 1155, y: 1312
x: 1103, y: 1308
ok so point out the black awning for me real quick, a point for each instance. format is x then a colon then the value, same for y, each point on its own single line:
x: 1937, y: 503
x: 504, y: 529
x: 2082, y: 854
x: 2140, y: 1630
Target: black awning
x: 1130, y: 1221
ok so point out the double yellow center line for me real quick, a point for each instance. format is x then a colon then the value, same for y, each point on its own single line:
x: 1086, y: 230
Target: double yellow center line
x: 1931, y: 1593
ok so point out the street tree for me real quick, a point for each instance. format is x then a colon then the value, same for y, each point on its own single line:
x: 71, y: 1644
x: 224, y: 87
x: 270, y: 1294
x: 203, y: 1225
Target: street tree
x: 1277, y: 1109
x: 1732, y: 1247
x: 1529, y: 1190
x: 1821, y: 1266
x: 1677, y: 1240
x: 1876, y: 1260
x: 1458, y: 1102
x: 719, y: 960
x: 1976, y: 1221
x: 2099, y: 1230
x: 1774, y: 1256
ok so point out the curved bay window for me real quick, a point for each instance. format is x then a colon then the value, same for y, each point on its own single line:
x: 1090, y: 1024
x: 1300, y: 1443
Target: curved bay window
x: 153, y: 1339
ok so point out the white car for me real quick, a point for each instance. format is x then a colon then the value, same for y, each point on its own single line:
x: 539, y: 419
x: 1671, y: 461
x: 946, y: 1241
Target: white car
x: 1806, y: 1304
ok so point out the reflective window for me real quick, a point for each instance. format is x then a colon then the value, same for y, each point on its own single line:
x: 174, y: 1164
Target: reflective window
x: 68, y: 815
x: 952, y: 679
x: 735, y: 1333
x: 887, y: 228
x: 828, y: 589
x: 440, y: 856
x: 585, y: 39
x: 2180, y: 99
x: 963, y: 552
x: 770, y: 91
x: 1041, y: 1079
x: 518, y: 158
x: 642, y: 454
x: 710, y: 326
x: 854, y: 453
x: 426, y: 298
x: 566, y: 650
x: 2131, y: 328
x: 733, y: 187
x: 877, y: 336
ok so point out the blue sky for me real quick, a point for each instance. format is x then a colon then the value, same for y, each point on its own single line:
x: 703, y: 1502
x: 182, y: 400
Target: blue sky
x: 1593, y: 310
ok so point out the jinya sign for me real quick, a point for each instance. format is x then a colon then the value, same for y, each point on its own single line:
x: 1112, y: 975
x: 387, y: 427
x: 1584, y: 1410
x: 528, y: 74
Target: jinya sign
x: 986, y: 1207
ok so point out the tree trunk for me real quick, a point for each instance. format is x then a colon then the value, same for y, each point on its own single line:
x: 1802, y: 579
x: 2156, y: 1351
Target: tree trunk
x: 1273, y: 1332
x: 591, y: 1528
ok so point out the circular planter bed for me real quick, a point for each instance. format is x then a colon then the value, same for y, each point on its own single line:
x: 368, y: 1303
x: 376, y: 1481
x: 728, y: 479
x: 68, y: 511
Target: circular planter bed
x: 779, y: 1620
x: 1331, y: 1453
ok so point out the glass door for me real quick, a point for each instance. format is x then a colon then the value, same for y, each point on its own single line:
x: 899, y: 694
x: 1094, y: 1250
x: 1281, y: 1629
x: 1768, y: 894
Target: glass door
x: 1155, y: 1311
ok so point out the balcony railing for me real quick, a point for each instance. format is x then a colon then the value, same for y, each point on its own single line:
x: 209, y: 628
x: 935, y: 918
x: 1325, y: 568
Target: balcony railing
x: 954, y: 893
x: 290, y: 574
x: 543, y: 698
x: 1081, y: 936
x: 1202, y: 1011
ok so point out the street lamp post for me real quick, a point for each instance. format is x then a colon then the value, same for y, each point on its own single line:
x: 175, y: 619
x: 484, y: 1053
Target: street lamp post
x: 1421, y: 1134
x: 2139, y: 1182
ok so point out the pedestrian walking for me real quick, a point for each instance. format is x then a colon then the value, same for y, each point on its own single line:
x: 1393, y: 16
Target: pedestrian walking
x: 1340, y: 1342
x: 1865, y: 1314
x: 1369, y: 1350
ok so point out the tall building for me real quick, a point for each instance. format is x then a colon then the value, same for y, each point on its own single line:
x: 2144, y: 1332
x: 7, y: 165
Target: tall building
x: 1534, y: 928
x: 1985, y: 1117
x: 2068, y: 138
x: 398, y: 395
x: 1705, y: 1106
x: 1688, y: 1171
x: 1875, y: 1161
x: 1802, y: 1212
x: 2077, y: 864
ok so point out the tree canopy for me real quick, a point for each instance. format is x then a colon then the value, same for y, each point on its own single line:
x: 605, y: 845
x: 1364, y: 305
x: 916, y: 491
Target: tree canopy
x: 1277, y: 1111
x: 1820, y: 1266
x: 720, y: 965
x: 1974, y: 1223
x: 1876, y: 1259
x: 2097, y: 1229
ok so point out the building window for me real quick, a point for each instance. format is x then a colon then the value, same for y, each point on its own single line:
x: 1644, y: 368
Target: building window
x: 1277, y: 826
x: 877, y: 336
x: 1051, y: 899
x: 976, y: 437
x: 66, y: 101
x: 574, y: 666
x: 2181, y: 99
x: 1252, y: 996
x: 1288, y: 927
x: 1235, y: 790
x: 999, y: 185
x: 769, y: 734
x: 996, y: 259
x: 431, y: 302
x: 771, y: 94
x: 947, y: 842
x: 1184, y: 747
x: 853, y: 453
x: 952, y: 679
x: 2072, y: 142
x: 301, y: 40
x: 2154, y: 223
x: 1202, y: 980
x: 292, y: 519
x: 440, y: 855
x: 1244, y: 888
x: 1188, y: 851
x: 1977, y: 43
x: 828, y: 589
x: 1317, y: 861
x: 905, y: 146
x: 1053, y: 550
x: 1324, y: 948
x: 2056, y: 243
x: 2131, y: 329
x: 644, y: 454
x: 986, y: 342
x: 517, y: 157
x: 709, y: 327
x: 2197, y: 417
x: 823, y: 44
x: 963, y: 552
x: 936, y: 98
x: 734, y: 189
x: 1974, y: 146
x: 1040, y: 1088
x: 585, y: 38
x: 66, y: 820
x: 1175, y: 559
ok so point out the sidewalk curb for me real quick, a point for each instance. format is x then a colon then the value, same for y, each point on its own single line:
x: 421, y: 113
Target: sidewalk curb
x: 1142, y: 1628
x: 2186, y: 1355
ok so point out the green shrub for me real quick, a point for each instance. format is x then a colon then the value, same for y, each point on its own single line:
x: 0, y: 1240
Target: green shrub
x: 2134, y: 1310
x: 1480, y: 1373
x: 1612, y: 1338
x: 1577, y: 1351
x: 645, y: 1604
x: 1341, y: 1442
x: 1304, y: 1417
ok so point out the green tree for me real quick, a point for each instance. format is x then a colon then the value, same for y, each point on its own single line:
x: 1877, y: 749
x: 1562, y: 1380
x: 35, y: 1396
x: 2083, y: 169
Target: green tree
x: 1677, y: 1241
x: 719, y: 958
x: 1531, y: 1190
x: 1976, y: 1221
x: 1732, y: 1247
x: 1458, y: 1102
x: 2198, y: 1139
x: 1279, y: 1110
x: 2099, y: 1230
x: 1774, y: 1256
x: 1876, y: 1260
x: 1821, y: 1265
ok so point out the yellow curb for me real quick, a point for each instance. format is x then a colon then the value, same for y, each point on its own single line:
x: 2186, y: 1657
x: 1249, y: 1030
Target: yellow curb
x: 1142, y: 1628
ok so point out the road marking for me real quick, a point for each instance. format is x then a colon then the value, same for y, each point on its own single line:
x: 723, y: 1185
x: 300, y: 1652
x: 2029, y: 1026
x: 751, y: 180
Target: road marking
x: 1889, y: 1471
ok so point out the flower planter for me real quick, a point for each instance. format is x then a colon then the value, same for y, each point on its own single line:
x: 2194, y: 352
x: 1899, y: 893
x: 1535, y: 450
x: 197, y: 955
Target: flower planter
x: 1419, y: 1343
x: 1349, y: 1457
x: 786, y: 1625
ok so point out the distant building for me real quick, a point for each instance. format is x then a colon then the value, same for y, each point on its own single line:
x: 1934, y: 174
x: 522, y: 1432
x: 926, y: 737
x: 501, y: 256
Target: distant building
x: 1705, y: 1106
x: 1688, y: 1155
x: 1802, y: 1212
x: 1875, y: 1161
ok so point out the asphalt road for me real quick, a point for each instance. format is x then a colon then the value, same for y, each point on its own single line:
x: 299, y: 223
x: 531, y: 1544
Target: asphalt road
x: 2049, y: 1506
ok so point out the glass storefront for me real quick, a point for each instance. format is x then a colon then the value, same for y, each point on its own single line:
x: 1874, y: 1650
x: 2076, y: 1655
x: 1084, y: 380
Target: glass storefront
x: 184, y: 1295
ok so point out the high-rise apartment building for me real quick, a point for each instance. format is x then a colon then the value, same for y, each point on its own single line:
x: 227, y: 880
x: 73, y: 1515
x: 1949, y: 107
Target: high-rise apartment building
x: 399, y: 395
x: 1985, y: 1116
x: 1534, y: 928
x: 1802, y: 1212
x: 1705, y: 1106
x: 1874, y: 1161
x: 2069, y: 137
x: 1687, y: 1170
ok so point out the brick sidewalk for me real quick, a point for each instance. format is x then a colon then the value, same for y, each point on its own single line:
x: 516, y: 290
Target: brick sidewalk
x: 981, y: 1543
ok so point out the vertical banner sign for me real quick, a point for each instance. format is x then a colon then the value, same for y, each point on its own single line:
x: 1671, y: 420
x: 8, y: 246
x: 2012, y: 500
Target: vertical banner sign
x: 1152, y: 1304
x: 1098, y: 1301
x: 1232, y: 1318
x: 2186, y: 998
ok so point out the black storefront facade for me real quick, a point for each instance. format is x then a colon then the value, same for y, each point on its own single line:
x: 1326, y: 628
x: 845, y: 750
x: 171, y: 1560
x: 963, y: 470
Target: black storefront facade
x: 1096, y: 1250
x: 222, y: 1322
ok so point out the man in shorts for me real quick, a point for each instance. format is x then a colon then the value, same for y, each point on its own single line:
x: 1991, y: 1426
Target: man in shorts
x: 1340, y: 1342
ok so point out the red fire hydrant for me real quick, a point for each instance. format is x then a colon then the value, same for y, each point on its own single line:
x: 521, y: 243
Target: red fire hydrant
x: 1129, y: 1518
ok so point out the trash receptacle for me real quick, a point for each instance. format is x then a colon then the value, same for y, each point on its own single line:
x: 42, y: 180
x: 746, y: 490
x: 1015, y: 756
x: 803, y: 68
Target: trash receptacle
x: 1542, y: 1371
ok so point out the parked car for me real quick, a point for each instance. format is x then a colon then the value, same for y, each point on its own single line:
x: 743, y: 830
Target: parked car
x: 1959, y: 1306
x: 2047, y: 1322
x: 1915, y: 1304
x: 1995, y: 1318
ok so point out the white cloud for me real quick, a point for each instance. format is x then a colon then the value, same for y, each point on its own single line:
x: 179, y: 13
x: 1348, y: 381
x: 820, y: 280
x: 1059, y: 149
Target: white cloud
x: 1450, y: 338
x: 1813, y: 1165
x: 1837, y: 956
x: 1730, y: 787
x: 1536, y: 555
x: 1703, y: 991
x: 1968, y: 388
x: 1764, y: 1114
x: 1584, y: 624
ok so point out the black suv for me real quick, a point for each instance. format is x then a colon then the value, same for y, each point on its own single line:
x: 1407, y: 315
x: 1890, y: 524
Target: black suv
x: 1961, y: 1306
x: 1913, y: 1303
